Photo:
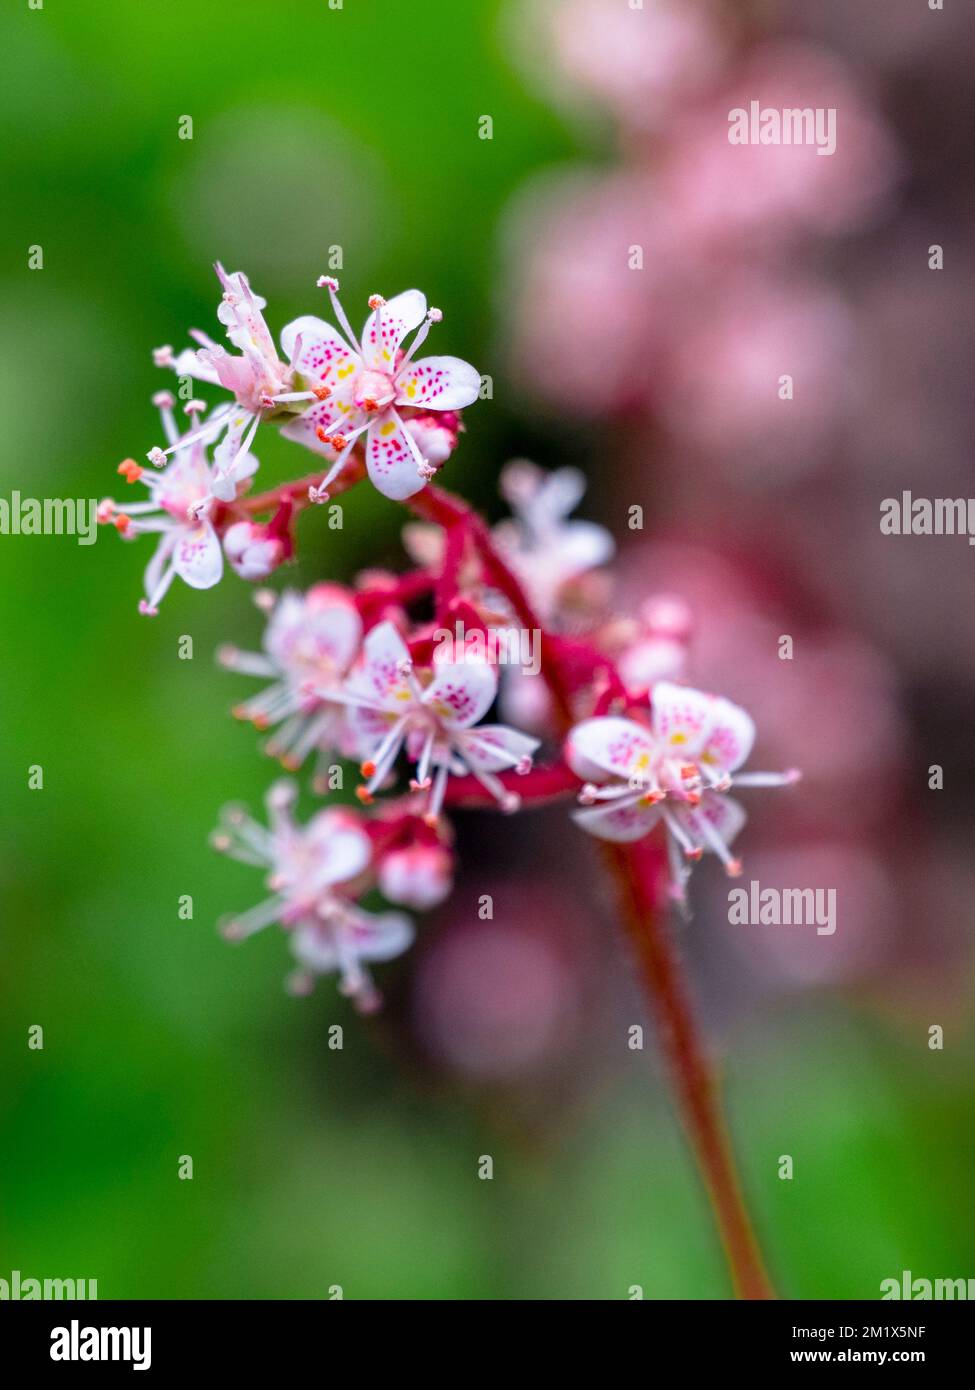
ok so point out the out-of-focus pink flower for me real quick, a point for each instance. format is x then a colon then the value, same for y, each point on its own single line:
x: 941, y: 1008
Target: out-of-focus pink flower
x: 585, y: 260
x: 542, y: 545
x: 866, y: 913
x: 492, y: 1000
x: 757, y: 376
x: 657, y: 649
x: 310, y: 643
x: 312, y: 874
x: 640, y: 62
x: 718, y: 193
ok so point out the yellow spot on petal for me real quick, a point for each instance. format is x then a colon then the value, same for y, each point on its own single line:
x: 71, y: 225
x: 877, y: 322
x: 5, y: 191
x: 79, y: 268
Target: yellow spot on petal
x: 388, y: 429
x: 678, y: 738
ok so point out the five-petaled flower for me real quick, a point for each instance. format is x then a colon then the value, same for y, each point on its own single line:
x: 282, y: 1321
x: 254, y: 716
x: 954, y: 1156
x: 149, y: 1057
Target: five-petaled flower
x: 181, y: 501
x: 675, y: 771
x: 365, y: 385
x: 431, y: 714
x: 316, y: 872
x: 546, y: 550
x: 310, y: 643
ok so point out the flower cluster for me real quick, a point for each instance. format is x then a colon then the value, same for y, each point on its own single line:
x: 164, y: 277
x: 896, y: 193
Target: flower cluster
x: 400, y: 672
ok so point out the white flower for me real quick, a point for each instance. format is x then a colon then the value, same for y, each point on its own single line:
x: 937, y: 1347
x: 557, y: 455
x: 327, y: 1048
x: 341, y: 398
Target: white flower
x: 545, y: 549
x: 310, y: 643
x: 676, y: 772
x: 390, y: 709
x: 366, y: 385
x: 313, y: 873
x: 181, y: 501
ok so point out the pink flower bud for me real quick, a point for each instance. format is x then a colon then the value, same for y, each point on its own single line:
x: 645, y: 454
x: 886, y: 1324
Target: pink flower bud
x: 417, y: 876
x: 252, y: 551
x: 435, y: 434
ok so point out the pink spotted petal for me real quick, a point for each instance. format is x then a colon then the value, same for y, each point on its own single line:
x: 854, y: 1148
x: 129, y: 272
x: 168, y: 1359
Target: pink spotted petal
x: 461, y: 692
x: 382, y: 935
x: 324, y: 357
x: 339, y: 848
x: 390, y: 461
x: 730, y: 738
x: 723, y: 813
x: 387, y: 327
x: 438, y: 383
x: 198, y: 557
x: 379, y: 677
x: 682, y: 718
x: 609, y: 747
x: 621, y: 823
x: 496, y: 748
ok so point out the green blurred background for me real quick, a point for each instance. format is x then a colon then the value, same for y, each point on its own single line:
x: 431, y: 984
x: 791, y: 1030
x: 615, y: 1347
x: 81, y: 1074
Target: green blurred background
x: 313, y: 127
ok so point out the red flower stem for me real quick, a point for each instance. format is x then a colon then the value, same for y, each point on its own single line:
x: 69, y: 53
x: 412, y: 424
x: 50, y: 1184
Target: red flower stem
x: 692, y: 1074
x: 455, y: 544
x: 539, y: 787
x: 633, y: 867
x: 297, y: 492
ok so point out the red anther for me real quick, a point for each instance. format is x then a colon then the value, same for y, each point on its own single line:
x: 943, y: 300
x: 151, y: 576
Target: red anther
x: 323, y: 435
x: 130, y: 470
x: 121, y: 522
x: 321, y: 393
x: 364, y: 796
x: 688, y: 772
x: 368, y: 768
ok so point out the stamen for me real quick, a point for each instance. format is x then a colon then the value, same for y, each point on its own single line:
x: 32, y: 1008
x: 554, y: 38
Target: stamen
x: 328, y: 282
